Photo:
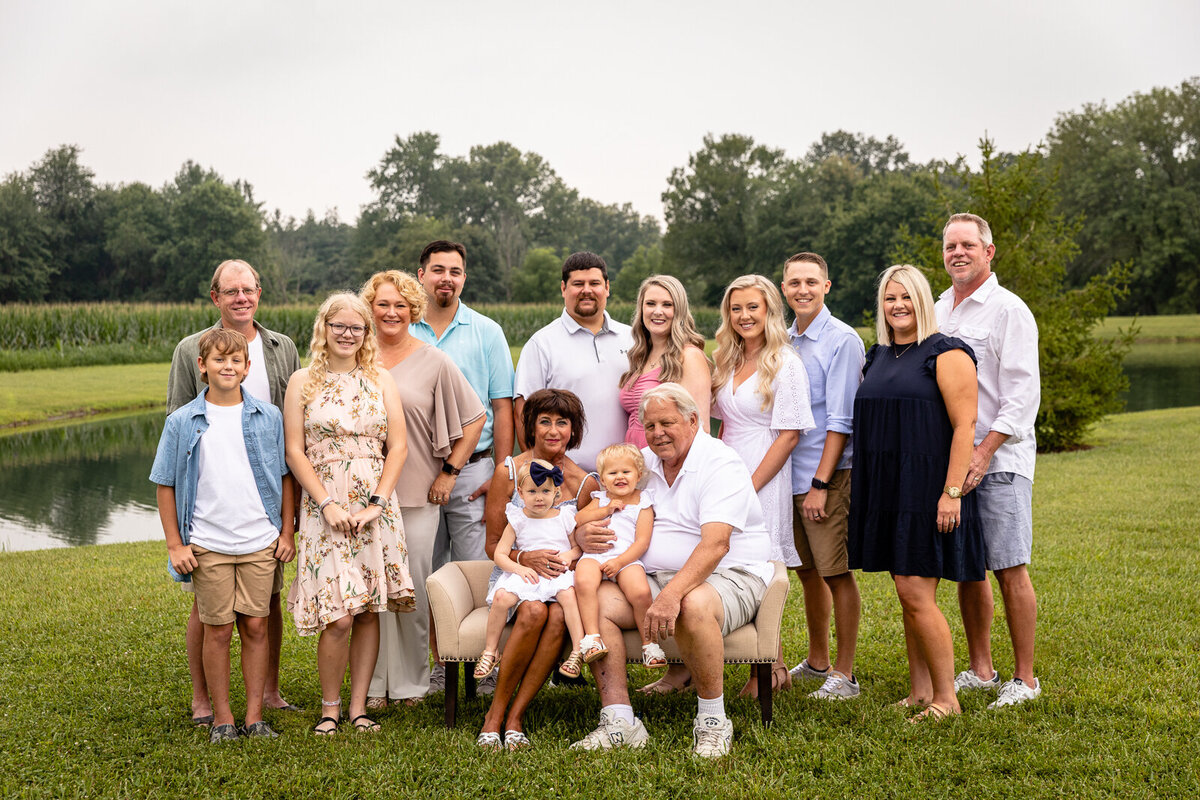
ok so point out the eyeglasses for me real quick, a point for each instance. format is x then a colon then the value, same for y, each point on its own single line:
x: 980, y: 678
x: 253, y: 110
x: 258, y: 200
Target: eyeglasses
x: 233, y: 293
x: 355, y: 330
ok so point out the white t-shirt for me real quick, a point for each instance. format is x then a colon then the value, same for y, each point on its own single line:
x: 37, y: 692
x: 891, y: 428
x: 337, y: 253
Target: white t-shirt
x: 256, y: 382
x: 566, y: 355
x: 229, y: 517
x: 713, y: 485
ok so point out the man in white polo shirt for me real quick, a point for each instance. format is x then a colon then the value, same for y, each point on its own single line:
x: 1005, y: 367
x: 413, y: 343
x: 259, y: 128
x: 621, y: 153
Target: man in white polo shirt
x: 582, y: 351
x: 1000, y: 329
x: 707, y: 567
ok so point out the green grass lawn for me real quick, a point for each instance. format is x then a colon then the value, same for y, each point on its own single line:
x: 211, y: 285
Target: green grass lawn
x: 94, y: 688
x: 49, y: 394
x: 1164, y: 329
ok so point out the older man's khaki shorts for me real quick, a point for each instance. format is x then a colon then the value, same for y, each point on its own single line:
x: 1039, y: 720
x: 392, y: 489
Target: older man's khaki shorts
x: 741, y: 593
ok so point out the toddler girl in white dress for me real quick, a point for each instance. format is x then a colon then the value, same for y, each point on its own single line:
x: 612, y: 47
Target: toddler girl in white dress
x: 622, y: 469
x: 537, y: 526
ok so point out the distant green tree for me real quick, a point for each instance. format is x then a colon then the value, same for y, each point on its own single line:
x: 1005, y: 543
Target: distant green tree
x: 135, y: 227
x: 309, y: 258
x: 1133, y: 172
x: 711, y: 208
x: 208, y: 221
x: 66, y: 194
x: 539, y: 280
x: 26, y: 264
x: 642, y: 264
x: 1081, y: 375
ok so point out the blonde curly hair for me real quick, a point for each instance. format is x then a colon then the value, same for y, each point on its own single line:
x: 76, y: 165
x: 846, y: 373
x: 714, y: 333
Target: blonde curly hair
x: 730, y: 354
x: 365, y: 358
x: 408, y: 287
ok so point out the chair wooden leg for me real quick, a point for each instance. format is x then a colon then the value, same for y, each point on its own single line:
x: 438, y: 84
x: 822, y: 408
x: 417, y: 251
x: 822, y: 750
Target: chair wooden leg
x: 451, y: 701
x: 469, y: 673
x: 763, y: 671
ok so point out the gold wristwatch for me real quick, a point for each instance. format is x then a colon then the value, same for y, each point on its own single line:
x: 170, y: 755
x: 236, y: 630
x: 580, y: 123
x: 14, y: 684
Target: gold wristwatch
x: 953, y: 491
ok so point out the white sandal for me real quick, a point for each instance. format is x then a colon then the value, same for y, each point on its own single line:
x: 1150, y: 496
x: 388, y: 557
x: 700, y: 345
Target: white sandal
x: 592, y: 648
x: 653, y: 656
x: 489, y: 740
x: 516, y: 740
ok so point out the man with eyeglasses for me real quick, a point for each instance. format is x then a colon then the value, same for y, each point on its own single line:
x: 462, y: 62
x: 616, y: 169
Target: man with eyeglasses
x: 235, y: 291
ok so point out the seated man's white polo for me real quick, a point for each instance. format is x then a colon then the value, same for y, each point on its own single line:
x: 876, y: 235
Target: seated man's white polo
x: 713, y: 485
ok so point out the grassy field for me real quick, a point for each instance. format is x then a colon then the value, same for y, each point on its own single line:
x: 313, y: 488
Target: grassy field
x: 28, y: 397
x: 1162, y: 329
x: 93, y: 685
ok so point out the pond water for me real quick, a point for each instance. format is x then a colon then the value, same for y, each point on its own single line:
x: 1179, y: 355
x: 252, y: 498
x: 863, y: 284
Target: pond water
x: 88, y: 483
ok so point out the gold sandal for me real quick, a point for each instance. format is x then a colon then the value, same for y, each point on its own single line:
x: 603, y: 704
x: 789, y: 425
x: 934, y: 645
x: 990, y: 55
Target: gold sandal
x: 486, y: 664
x: 571, y: 667
x: 934, y: 712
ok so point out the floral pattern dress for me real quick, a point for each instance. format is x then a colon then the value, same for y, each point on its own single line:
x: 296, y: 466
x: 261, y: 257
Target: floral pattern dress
x: 345, y: 427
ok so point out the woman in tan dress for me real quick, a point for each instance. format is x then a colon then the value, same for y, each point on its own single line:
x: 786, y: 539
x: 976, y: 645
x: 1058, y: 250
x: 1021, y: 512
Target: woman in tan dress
x: 444, y: 418
x: 340, y: 414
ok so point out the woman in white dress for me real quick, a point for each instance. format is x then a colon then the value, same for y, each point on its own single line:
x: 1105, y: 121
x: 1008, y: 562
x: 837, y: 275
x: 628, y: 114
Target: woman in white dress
x: 761, y: 396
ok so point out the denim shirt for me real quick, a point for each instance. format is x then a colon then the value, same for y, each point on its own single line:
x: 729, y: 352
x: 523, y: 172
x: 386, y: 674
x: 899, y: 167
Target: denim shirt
x: 177, y: 461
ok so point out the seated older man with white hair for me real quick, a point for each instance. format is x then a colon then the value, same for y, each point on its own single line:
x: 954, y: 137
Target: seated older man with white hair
x: 707, y: 566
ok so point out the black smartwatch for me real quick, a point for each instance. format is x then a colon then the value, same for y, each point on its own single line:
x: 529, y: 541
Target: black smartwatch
x: 819, y: 484
x: 449, y: 468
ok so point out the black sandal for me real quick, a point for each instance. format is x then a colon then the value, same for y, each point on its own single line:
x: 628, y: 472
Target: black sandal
x: 369, y: 726
x: 322, y: 721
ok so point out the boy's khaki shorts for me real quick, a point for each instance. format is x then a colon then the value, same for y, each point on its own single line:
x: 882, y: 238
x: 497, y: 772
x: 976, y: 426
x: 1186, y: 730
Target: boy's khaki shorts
x: 227, y: 585
x: 276, y: 588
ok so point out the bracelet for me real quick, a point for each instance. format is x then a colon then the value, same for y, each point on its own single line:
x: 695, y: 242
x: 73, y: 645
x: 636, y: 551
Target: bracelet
x: 518, y: 558
x: 328, y: 499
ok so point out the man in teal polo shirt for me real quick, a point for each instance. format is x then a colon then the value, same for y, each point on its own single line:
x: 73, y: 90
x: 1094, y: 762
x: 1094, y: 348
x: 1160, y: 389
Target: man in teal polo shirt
x: 480, y: 350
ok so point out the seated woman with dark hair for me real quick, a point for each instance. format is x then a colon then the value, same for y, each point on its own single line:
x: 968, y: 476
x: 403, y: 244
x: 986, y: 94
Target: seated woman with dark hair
x: 553, y: 420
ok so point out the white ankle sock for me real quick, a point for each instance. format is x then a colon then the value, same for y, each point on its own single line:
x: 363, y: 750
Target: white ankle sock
x: 712, y: 708
x: 621, y: 712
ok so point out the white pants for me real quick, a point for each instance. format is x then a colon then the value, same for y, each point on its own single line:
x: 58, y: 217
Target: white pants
x: 402, y: 670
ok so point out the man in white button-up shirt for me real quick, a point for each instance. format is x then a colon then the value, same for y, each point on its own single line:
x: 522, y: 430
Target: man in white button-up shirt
x: 707, y: 568
x: 1001, y: 331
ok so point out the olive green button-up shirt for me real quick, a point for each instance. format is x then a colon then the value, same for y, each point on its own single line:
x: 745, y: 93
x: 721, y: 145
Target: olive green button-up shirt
x: 184, y: 382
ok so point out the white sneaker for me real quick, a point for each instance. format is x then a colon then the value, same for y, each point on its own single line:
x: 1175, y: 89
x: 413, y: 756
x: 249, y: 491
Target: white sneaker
x: 968, y: 681
x: 837, y: 687
x: 712, y: 738
x: 614, y: 732
x: 803, y: 671
x: 1016, y: 691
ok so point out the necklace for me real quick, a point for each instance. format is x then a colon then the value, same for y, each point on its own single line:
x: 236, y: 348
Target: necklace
x: 902, y: 352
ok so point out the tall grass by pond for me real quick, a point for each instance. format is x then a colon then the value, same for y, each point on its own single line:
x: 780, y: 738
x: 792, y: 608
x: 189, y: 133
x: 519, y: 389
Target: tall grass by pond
x: 69, y: 334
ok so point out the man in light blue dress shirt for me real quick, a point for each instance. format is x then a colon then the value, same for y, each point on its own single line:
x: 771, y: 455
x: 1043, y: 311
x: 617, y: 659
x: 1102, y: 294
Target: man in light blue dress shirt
x: 479, y: 349
x: 833, y: 356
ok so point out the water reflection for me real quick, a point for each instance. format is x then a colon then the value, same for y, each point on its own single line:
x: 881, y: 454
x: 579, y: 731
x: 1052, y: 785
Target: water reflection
x: 79, y: 484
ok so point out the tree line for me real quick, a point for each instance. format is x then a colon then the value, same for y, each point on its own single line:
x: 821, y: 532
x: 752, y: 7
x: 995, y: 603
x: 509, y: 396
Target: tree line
x: 1124, y: 180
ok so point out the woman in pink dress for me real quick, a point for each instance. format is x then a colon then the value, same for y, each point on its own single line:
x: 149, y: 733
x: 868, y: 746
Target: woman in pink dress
x: 666, y: 347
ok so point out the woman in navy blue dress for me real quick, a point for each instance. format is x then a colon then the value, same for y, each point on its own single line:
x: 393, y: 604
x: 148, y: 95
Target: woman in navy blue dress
x: 914, y: 429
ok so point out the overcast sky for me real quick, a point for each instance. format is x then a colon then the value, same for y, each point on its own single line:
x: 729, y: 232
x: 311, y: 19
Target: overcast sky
x: 302, y: 98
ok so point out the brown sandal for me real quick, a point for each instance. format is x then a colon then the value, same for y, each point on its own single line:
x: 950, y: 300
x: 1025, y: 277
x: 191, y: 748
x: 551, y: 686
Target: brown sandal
x: 934, y: 712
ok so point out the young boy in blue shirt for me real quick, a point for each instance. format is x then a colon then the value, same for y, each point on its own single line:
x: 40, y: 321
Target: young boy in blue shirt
x: 221, y: 498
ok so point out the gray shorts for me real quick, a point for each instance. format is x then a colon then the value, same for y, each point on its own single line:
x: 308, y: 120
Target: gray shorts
x: 1005, y: 508
x: 741, y: 593
x: 460, y: 533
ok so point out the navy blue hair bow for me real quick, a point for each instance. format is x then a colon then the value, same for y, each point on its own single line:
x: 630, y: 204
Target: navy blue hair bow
x: 538, y: 474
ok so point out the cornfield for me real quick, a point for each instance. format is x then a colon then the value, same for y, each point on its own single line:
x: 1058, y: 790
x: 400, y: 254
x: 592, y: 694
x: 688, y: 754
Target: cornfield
x: 56, y: 335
